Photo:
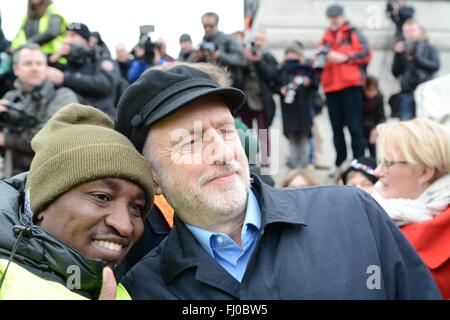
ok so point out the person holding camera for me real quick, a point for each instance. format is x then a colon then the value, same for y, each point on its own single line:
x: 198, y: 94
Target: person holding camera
x: 220, y: 48
x: 146, y: 54
x: 93, y: 78
x: 398, y: 11
x: 26, y: 108
x: 298, y: 81
x: 259, y: 75
x: 415, y: 62
x: 343, y: 55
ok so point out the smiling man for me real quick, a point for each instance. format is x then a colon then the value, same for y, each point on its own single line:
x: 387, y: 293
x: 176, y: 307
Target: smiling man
x: 76, y: 214
x: 235, y: 237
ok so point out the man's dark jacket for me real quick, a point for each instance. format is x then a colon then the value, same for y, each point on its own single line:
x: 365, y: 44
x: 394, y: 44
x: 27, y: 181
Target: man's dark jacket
x: 94, y: 83
x: 267, y: 72
x: 424, y: 63
x: 38, y: 251
x: 315, y: 243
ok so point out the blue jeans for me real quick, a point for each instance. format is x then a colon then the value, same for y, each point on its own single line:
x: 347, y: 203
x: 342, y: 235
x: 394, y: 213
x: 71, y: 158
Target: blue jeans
x: 406, y: 106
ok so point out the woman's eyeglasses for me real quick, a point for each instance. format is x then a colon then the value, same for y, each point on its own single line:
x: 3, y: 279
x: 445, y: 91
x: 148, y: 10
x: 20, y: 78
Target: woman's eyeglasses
x: 385, y: 164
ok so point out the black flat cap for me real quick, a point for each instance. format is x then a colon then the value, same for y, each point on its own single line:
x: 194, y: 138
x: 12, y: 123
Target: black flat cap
x: 157, y: 93
x: 335, y: 10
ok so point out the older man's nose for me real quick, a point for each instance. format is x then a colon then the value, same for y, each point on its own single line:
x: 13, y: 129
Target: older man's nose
x: 220, y: 151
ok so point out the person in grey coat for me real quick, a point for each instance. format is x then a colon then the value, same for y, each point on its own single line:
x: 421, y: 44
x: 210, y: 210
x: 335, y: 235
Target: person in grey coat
x: 27, y: 107
x: 235, y: 237
x: 222, y: 49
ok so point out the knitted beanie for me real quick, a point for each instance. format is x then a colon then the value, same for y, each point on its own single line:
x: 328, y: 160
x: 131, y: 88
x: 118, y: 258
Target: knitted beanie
x: 77, y: 145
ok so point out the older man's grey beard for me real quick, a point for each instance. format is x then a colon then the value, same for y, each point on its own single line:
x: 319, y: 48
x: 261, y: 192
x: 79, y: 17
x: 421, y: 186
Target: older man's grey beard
x: 198, y: 207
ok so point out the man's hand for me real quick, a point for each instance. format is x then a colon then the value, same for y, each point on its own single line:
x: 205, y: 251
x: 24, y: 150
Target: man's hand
x: 4, y: 105
x: 252, y: 57
x: 2, y: 139
x: 198, y: 55
x: 63, y: 51
x: 337, y: 57
x: 213, y: 56
x: 399, y: 47
x: 306, y: 81
x: 55, y: 76
x: 109, y: 285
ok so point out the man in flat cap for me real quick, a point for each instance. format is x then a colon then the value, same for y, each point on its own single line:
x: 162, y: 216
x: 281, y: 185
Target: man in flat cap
x: 235, y: 237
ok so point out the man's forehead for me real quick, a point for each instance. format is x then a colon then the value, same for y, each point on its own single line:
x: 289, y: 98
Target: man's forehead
x: 211, y: 110
x: 27, y: 54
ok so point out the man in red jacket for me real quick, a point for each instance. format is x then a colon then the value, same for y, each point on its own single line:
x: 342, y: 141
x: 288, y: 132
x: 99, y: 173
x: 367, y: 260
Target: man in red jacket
x: 345, y: 54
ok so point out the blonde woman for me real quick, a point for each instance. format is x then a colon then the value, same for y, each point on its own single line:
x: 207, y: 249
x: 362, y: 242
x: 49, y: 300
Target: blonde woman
x: 414, y: 189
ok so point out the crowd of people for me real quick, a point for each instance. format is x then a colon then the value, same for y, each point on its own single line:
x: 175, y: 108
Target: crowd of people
x: 94, y: 175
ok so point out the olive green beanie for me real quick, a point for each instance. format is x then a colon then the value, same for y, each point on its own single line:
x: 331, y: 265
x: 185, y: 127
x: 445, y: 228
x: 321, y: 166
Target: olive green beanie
x: 77, y: 145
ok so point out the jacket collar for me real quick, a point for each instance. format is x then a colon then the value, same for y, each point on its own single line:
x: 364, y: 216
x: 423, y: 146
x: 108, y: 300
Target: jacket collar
x: 39, y: 251
x: 181, y: 251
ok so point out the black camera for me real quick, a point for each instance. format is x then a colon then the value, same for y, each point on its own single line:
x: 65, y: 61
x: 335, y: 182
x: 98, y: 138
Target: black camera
x: 253, y: 48
x: 410, y: 48
x: 16, y: 120
x: 145, y: 42
x: 207, y: 46
x: 321, y: 57
x: 291, y: 89
x: 78, y: 54
x: 391, y: 7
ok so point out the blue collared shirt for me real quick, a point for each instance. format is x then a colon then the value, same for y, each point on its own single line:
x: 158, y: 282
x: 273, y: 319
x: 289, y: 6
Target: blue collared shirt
x: 227, y: 252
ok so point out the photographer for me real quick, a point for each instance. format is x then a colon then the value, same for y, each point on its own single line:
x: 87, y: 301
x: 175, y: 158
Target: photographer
x: 259, y: 75
x: 298, y: 81
x: 92, y: 78
x: 415, y: 62
x: 25, y: 109
x: 222, y: 49
x: 146, y: 54
x: 399, y: 12
x: 343, y: 56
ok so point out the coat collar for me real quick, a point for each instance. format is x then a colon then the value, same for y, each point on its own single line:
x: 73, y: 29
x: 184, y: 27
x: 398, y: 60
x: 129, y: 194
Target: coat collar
x: 182, y: 251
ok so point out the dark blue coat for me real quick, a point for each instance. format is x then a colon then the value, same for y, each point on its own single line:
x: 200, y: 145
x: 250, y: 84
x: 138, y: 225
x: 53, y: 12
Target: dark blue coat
x: 316, y: 243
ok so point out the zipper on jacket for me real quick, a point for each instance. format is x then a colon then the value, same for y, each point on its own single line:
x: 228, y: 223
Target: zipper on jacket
x: 21, y: 230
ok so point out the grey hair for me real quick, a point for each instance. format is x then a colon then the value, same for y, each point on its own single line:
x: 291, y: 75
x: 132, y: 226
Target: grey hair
x: 211, y: 14
x: 29, y: 46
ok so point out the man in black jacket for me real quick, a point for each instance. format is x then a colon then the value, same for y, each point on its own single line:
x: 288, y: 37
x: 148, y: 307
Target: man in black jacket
x: 235, y: 237
x: 415, y: 62
x: 92, y: 78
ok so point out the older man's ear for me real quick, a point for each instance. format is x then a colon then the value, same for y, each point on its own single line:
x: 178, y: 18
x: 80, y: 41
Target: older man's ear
x: 156, y: 188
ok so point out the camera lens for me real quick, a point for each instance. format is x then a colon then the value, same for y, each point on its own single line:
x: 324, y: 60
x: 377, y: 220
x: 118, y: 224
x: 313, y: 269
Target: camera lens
x: 4, y: 116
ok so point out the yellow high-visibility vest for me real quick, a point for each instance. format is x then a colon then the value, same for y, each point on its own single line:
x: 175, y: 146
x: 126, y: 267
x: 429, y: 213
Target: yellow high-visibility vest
x: 21, y: 284
x: 44, y: 23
